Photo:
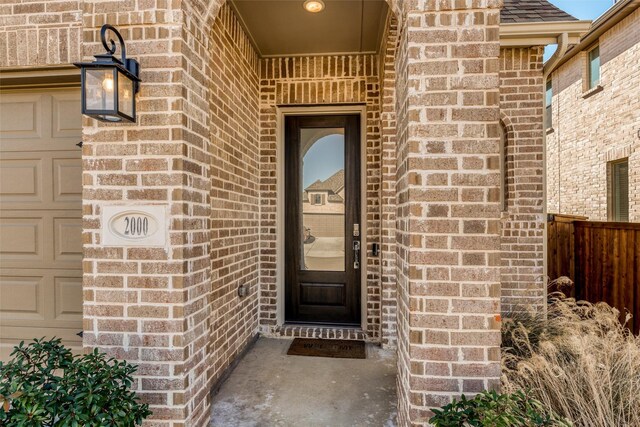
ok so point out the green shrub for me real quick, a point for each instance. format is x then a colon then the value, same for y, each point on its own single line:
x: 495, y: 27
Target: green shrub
x: 490, y: 409
x: 44, y: 384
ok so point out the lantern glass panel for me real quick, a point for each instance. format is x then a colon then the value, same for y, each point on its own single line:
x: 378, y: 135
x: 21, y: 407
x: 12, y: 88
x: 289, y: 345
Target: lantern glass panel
x: 125, y: 95
x: 99, y: 89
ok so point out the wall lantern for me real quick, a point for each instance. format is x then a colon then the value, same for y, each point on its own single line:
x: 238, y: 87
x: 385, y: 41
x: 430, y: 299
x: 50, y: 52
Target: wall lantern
x: 109, y: 84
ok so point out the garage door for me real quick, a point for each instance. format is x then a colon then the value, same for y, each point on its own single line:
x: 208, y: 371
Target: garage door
x: 40, y: 217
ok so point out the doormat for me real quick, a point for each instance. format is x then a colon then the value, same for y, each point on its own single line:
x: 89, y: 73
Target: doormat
x: 345, y: 349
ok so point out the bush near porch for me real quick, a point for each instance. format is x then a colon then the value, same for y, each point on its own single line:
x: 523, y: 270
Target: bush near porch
x: 490, y: 409
x: 579, y: 361
x: 575, y: 365
x: 44, y: 384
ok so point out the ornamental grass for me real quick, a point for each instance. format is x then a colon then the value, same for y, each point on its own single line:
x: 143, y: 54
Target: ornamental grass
x: 577, y: 359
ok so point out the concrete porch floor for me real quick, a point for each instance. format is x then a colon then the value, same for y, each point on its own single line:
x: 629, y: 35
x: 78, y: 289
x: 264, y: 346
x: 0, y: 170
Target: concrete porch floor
x: 270, y: 388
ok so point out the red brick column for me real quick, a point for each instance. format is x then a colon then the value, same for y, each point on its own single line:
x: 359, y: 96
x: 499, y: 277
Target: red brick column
x: 448, y: 203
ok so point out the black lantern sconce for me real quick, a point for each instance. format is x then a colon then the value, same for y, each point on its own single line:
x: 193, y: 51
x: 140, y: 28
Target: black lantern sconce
x: 109, y: 84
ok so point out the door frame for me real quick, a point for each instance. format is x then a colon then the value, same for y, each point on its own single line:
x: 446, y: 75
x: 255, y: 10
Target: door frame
x: 315, y: 110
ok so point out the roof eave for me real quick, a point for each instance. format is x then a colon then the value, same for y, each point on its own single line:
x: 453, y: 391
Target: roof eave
x: 613, y: 15
x: 525, y: 34
x: 610, y: 18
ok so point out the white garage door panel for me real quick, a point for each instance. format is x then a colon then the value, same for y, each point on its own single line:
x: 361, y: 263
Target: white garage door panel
x: 38, y: 122
x: 67, y: 180
x: 32, y: 296
x: 31, y: 179
x: 68, y: 298
x: 21, y: 297
x: 40, y: 217
x: 52, y: 239
x: 34, y: 305
x: 20, y: 116
x: 13, y: 335
x: 21, y: 239
x: 67, y: 238
x: 20, y: 180
x: 67, y: 122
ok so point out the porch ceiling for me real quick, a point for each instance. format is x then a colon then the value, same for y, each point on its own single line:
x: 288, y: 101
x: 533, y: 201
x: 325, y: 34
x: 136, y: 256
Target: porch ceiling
x: 284, y: 27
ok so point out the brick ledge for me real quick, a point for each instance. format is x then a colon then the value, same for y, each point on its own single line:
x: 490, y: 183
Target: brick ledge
x: 592, y: 92
x: 323, y: 332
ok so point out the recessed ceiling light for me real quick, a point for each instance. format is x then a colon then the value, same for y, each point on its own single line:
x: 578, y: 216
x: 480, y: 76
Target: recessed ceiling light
x: 313, y: 6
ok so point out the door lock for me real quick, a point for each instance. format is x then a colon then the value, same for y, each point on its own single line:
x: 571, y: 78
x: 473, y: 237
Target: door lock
x: 356, y: 254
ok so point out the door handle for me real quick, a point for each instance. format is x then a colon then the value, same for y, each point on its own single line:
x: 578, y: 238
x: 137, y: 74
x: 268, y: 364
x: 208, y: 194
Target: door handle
x: 356, y: 254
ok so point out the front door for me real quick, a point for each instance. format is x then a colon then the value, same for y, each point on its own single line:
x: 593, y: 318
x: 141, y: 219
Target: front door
x: 322, y: 219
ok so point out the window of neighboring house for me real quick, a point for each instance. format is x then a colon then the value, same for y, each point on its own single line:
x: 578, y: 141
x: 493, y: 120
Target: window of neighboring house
x: 594, y: 67
x: 619, y: 191
x: 548, y: 103
x: 318, y: 199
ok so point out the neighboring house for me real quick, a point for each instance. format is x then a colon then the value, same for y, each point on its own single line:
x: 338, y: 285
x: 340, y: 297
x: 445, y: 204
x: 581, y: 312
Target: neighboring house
x: 593, y: 121
x: 331, y: 190
x: 323, y: 206
x: 323, y: 220
x: 433, y: 99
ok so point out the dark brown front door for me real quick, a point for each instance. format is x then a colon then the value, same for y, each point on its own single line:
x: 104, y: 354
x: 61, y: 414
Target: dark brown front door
x: 322, y: 219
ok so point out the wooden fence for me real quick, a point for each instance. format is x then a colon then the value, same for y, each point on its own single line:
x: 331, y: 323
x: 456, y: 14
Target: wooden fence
x: 602, y: 259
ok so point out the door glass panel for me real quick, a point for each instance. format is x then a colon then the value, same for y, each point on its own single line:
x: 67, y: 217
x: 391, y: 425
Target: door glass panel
x: 323, y: 199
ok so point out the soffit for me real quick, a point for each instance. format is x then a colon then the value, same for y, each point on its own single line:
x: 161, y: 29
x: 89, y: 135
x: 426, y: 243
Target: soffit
x: 285, y: 28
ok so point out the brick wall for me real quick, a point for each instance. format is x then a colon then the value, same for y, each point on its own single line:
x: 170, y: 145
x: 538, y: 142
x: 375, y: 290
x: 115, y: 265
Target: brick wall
x: 590, y: 131
x: 521, y: 110
x: 204, y: 146
x: 176, y: 311
x: 402, y: 245
x: 149, y: 305
x: 388, y: 182
x: 193, y: 42
x: 235, y: 190
x: 40, y: 33
x: 319, y: 80
x: 448, y: 204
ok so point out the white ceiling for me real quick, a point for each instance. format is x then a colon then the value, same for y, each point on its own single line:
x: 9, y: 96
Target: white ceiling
x: 284, y: 27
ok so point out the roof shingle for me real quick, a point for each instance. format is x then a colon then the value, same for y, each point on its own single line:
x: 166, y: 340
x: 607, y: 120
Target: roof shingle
x: 516, y: 11
x: 334, y: 183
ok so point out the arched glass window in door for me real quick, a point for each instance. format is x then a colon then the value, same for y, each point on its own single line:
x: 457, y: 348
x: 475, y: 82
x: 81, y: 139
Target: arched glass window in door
x: 323, y: 199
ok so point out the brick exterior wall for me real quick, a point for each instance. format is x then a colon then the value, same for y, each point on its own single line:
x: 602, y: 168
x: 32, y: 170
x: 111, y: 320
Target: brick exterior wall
x: 235, y: 190
x: 40, y: 33
x: 388, y: 182
x: 204, y: 147
x: 521, y: 111
x: 150, y: 306
x: 588, y: 132
x: 402, y: 244
x: 448, y: 204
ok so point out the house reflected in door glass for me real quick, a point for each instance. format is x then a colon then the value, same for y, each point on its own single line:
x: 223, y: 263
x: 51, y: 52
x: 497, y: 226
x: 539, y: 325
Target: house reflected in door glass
x: 323, y: 196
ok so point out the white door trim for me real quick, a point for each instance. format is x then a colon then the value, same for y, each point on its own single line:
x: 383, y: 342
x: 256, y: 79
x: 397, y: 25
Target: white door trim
x: 281, y: 112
